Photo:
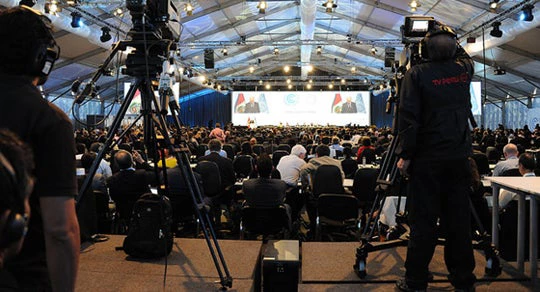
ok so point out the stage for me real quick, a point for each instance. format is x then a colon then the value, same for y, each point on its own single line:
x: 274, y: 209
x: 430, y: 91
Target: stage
x: 325, y: 266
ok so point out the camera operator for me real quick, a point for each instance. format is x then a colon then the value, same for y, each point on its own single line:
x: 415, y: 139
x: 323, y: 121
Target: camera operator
x: 435, y: 142
x: 50, y: 253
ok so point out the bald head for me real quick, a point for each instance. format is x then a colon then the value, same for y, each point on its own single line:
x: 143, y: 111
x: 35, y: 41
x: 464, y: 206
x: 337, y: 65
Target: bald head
x: 124, y: 159
x: 510, y: 150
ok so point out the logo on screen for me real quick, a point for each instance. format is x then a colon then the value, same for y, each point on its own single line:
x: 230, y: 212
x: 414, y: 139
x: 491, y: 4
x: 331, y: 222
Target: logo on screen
x: 291, y: 99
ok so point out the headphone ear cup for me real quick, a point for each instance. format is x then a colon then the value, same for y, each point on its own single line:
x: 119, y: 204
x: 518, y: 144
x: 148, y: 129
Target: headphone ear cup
x: 14, y: 230
x: 38, y: 60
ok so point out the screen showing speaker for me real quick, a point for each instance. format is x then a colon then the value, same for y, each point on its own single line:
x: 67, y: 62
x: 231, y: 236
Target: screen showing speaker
x: 301, y: 107
x: 135, y: 105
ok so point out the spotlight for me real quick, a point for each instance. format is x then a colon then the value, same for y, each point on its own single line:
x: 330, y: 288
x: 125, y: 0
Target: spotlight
x: 76, y: 19
x: 225, y: 52
x: 343, y: 81
x: 289, y: 86
x: 276, y: 51
x: 353, y: 69
x: 310, y: 81
x: 308, y: 86
x: 349, y: 38
x: 262, y: 7
x: 373, y: 51
x: 310, y: 68
x: 499, y: 71
x: 51, y: 8
x: 188, y: 8
x: 268, y: 86
x: 330, y: 86
x: 286, y: 68
x: 329, y: 5
x: 71, y: 2
x: 118, y: 12
x: 526, y: 13
x: 496, y: 31
x: 493, y: 4
x: 251, y: 69
x: 28, y: 3
x: 414, y: 5
x: 105, y: 34
x: 288, y: 81
x: 261, y: 82
x: 319, y: 50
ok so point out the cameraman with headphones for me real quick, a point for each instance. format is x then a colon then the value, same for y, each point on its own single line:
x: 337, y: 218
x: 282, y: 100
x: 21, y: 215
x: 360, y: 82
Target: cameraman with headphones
x: 435, y: 142
x: 16, y: 183
x: 49, y: 256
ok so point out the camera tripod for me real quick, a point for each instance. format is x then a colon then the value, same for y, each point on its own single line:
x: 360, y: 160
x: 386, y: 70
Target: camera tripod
x: 389, y: 181
x: 153, y: 112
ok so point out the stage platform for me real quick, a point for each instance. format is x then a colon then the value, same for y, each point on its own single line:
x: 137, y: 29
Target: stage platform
x: 325, y: 266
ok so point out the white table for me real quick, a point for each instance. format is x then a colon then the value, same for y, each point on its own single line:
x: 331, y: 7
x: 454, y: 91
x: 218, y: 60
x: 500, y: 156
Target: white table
x: 347, y: 183
x: 523, y: 187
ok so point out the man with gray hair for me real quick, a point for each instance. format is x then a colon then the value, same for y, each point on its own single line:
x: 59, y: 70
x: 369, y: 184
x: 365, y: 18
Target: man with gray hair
x: 511, y: 154
x: 289, y: 165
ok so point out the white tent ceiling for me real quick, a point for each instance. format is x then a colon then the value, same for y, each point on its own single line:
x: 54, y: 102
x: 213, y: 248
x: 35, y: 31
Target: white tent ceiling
x: 346, y: 36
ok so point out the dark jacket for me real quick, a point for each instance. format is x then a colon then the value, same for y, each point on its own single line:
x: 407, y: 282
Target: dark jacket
x: 264, y: 192
x: 225, y: 165
x: 434, y: 110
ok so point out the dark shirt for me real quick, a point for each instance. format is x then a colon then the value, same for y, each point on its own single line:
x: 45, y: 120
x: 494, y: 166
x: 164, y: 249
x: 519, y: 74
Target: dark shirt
x: 225, y: 165
x: 126, y: 186
x: 264, y: 192
x: 49, y: 133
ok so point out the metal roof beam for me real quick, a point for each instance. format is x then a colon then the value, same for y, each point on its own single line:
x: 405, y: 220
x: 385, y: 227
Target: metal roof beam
x: 79, y: 58
x: 362, y: 22
x: 509, y: 70
x: 520, y: 52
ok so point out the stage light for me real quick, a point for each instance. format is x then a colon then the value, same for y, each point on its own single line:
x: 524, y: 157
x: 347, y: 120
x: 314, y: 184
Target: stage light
x: 251, y: 69
x: 118, y: 12
x: 414, y: 5
x: 261, y: 82
x: 76, y: 19
x: 343, y: 81
x: 526, y: 13
x: 499, y: 71
x: 319, y: 50
x: 225, y: 52
x: 188, y: 8
x: 310, y: 68
x: 268, y: 86
x: 289, y: 86
x: 286, y: 69
x: 331, y: 86
x: 276, y: 51
x: 310, y: 81
x: 51, y: 7
x: 353, y: 69
x: 496, y: 31
x: 262, y: 7
x: 71, y: 3
x: 329, y: 5
x: 373, y: 51
x: 493, y: 4
x: 202, y: 79
x: 105, y: 34
x: 288, y: 81
x: 349, y: 38
x: 28, y: 3
x: 308, y: 86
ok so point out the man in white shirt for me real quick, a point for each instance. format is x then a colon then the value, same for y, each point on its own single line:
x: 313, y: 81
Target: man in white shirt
x: 526, y: 166
x: 511, y: 154
x: 289, y: 166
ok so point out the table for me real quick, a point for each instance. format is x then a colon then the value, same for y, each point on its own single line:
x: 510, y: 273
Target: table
x: 347, y: 183
x: 523, y: 187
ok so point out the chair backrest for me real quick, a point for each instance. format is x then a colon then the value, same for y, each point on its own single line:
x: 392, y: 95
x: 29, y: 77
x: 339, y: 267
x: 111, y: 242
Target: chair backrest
x: 493, y: 154
x: 258, y: 149
x: 210, y: 176
x: 369, y: 154
x: 364, y: 183
x: 347, y: 144
x: 349, y: 167
x: 511, y: 172
x: 276, y: 156
x: 102, y: 203
x: 482, y: 163
x: 243, y: 165
x: 284, y: 147
x: 339, y: 153
x: 264, y: 220
x: 201, y: 149
x: 229, y: 149
x: 327, y: 179
x: 339, y: 207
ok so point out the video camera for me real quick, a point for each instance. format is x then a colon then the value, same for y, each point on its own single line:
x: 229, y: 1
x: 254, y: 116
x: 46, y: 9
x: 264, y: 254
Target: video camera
x: 155, y: 17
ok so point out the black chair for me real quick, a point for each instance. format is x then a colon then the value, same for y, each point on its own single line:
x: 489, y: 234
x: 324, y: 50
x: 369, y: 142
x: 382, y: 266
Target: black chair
x: 369, y: 154
x: 347, y: 144
x: 229, y: 149
x: 265, y: 222
x: 337, y: 217
x: 482, y: 163
x: 327, y: 179
x: 493, y: 154
x: 258, y: 149
x: 364, y: 183
x: 349, y: 167
x: 243, y: 165
x: 284, y: 147
x: 103, y: 212
x: 201, y: 149
x: 511, y: 172
x: 210, y: 176
x: 276, y: 156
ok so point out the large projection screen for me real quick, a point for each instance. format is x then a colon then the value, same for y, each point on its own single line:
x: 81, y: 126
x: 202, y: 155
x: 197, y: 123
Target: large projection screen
x: 476, y: 98
x: 301, y: 107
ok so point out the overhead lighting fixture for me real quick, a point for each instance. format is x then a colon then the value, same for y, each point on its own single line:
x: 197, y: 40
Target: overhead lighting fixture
x: 499, y: 71
x: 268, y: 86
x: 349, y: 38
x: 308, y: 86
x: 366, y: 80
x: 496, y: 31
x: 353, y: 69
x: 276, y: 51
x: 329, y: 5
x: 343, y: 81
x: 51, y: 7
x: 493, y: 4
x: 310, y: 68
x: 105, y: 34
x: 289, y: 86
x: 286, y: 69
x: 331, y: 86
x: 71, y: 3
x: 76, y: 19
x: 373, y: 51
x: 319, y: 50
x: 414, y: 4
x: 261, y: 82
x: 288, y: 81
x: 28, y: 3
x: 310, y: 81
x: 251, y: 69
x: 262, y: 7
x: 225, y: 52
x: 188, y: 8
x: 526, y: 13
x: 118, y: 12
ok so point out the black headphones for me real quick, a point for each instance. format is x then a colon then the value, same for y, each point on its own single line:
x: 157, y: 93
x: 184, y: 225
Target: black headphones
x: 13, y: 225
x: 44, y: 54
x: 438, y: 29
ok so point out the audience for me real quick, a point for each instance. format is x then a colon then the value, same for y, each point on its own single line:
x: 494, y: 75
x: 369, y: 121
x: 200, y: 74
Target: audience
x: 322, y: 158
x: 526, y: 166
x: 226, y: 169
x: 510, y: 152
x: 289, y: 166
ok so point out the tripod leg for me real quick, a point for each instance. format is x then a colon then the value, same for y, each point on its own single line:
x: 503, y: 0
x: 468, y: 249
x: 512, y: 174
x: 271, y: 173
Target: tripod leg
x: 493, y: 263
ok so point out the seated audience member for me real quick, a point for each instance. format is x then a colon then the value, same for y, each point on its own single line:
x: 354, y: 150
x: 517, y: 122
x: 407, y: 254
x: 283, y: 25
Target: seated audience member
x: 104, y: 168
x: 335, y: 144
x: 322, y: 158
x: 226, y: 169
x: 127, y: 185
x: 99, y: 181
x: 16, y: 184
x: 348, y: 164
x: 526, y: 166
x: 289, y: 166
x: 170, y: 160
x: 247, y: 149
x: 366, y: 144
x: 511, y: 153
x: 265, y: 191
x: 218, y: 133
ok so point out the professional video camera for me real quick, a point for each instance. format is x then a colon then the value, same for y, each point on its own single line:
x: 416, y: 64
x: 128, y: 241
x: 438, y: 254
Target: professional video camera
x: 154, y: 17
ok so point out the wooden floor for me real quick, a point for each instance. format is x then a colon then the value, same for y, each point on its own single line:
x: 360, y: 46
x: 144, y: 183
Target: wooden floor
x: 324, y: 267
